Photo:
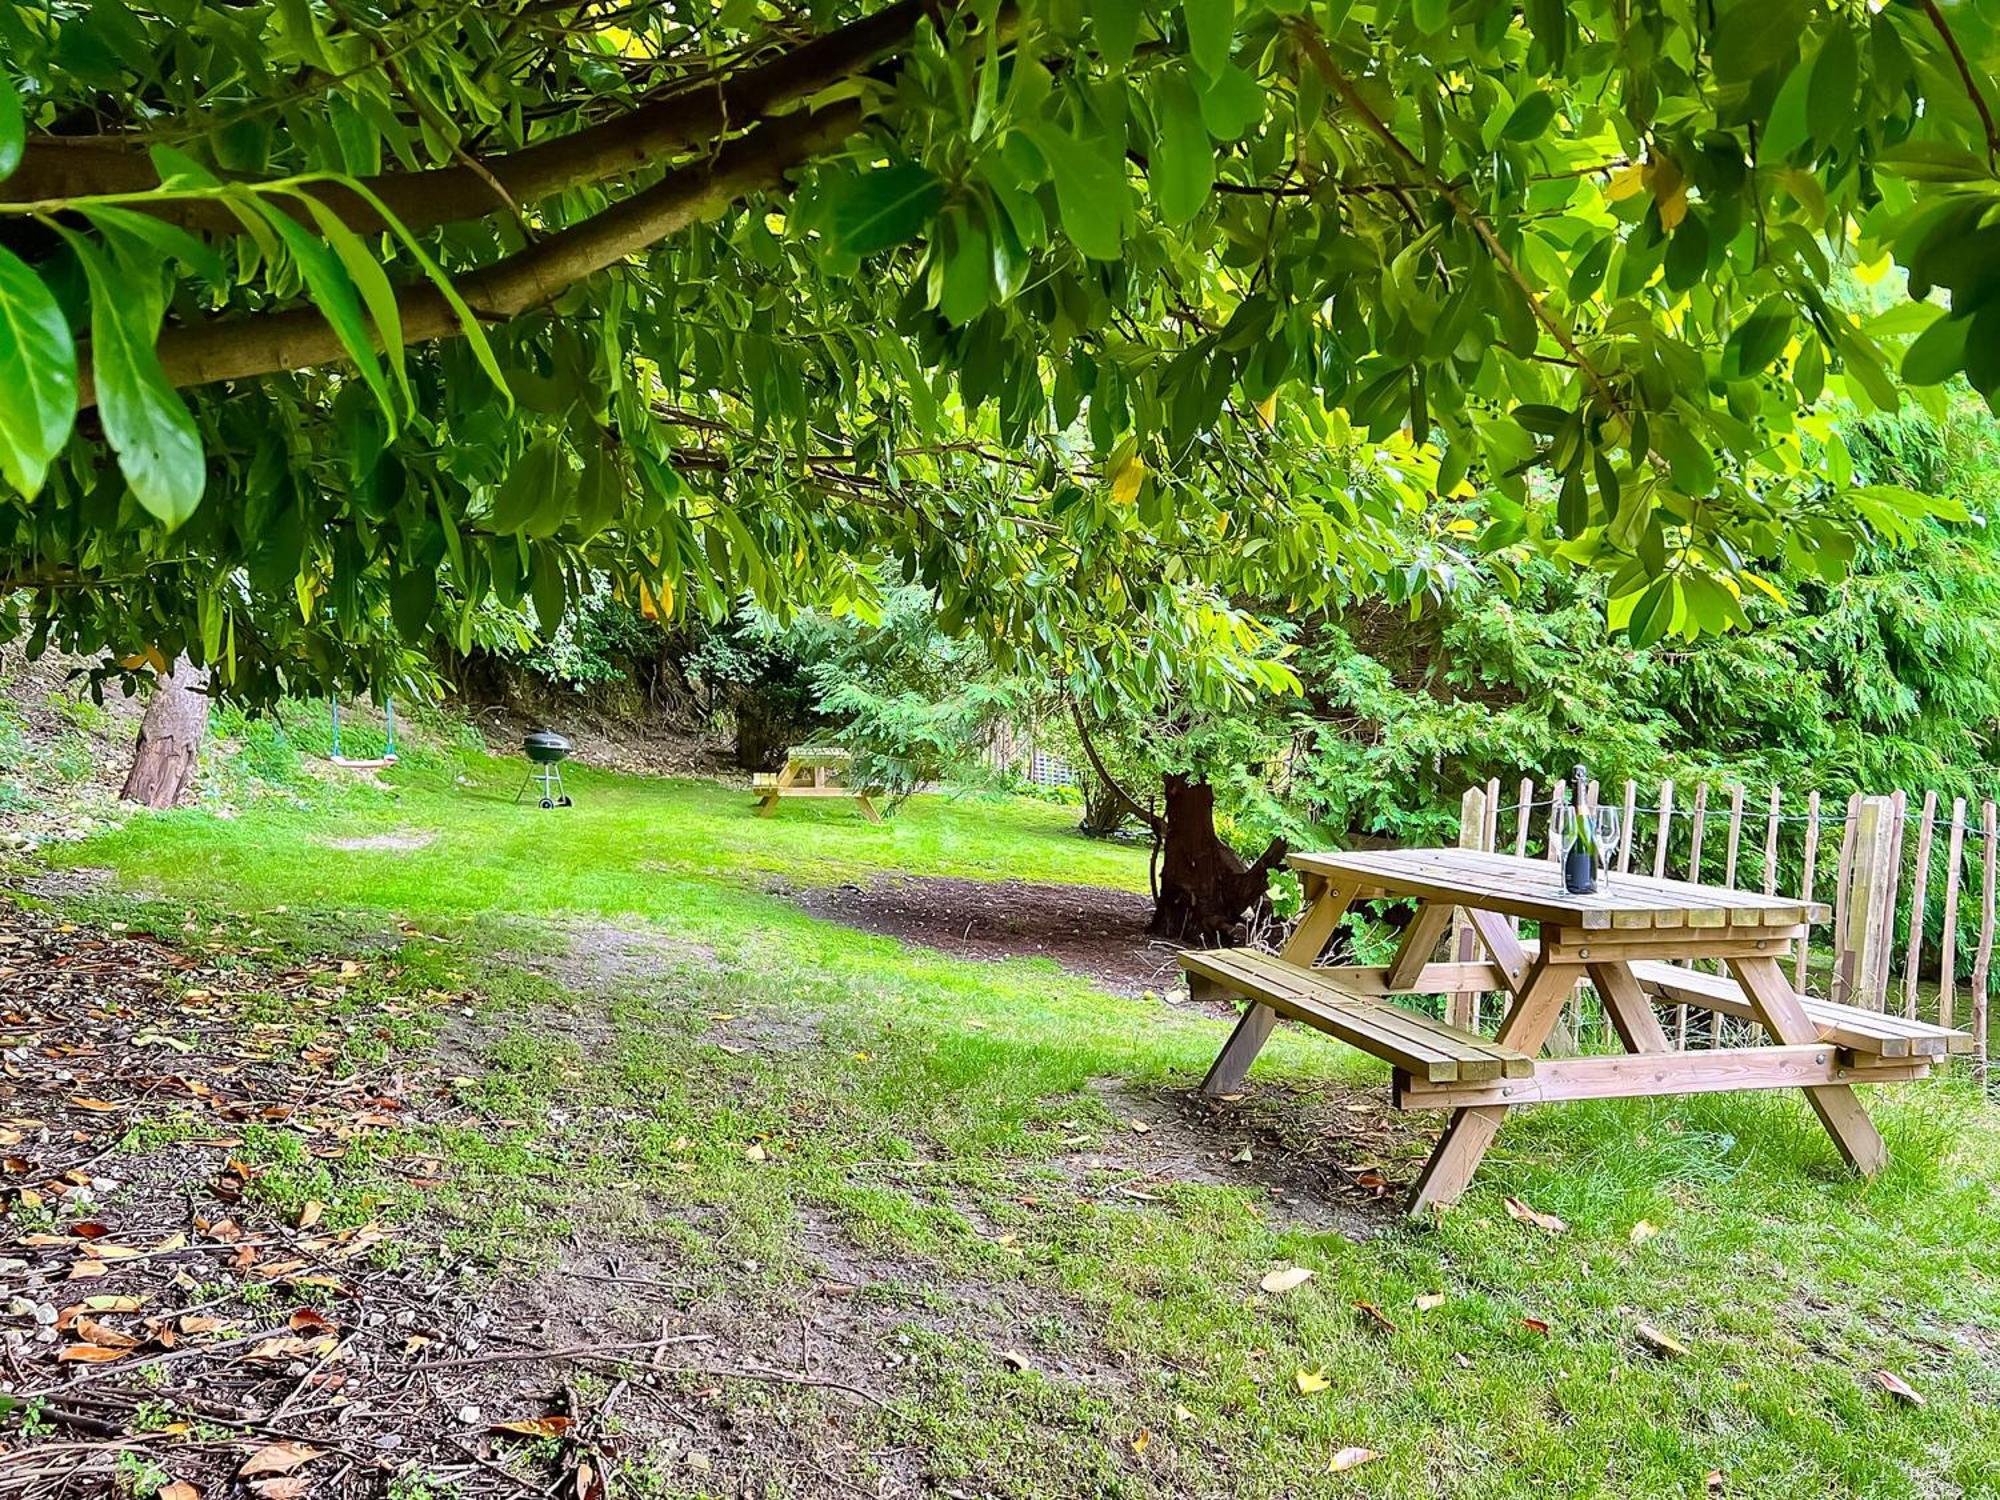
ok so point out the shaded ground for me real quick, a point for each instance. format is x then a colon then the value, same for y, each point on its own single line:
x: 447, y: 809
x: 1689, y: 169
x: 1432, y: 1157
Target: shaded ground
x: 1095, y: 933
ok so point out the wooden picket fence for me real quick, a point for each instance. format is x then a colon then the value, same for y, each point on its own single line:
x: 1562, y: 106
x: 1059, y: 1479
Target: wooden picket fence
x: 1902, y: 928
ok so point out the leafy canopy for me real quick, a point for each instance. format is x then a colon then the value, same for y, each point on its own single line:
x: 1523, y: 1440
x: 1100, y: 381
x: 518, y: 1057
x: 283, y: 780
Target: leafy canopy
x: 328, y: 321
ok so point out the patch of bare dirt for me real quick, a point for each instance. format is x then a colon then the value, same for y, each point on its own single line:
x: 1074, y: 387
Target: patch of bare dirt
x: 602, y: 957
x: 1317, y: 1157
x: 1095, y: 933
x: 611, y: 741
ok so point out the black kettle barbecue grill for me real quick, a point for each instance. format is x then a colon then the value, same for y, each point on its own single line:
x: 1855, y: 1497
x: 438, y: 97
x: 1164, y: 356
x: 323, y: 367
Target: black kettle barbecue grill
x: 547, y: 750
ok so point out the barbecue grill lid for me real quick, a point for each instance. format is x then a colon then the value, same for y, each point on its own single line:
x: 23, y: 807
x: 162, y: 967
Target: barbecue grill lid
x: 546, y: 740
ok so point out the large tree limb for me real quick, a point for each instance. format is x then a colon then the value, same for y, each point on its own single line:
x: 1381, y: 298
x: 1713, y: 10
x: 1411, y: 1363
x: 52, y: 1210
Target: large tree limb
x: 52, y: 170
x: 299, y: 338
x: 1125, y: 799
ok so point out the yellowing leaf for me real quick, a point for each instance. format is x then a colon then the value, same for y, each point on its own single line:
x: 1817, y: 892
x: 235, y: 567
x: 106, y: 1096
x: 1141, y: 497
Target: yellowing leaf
x: 1309, y: 1381
x: 1626, y: 181
x: 1126, y: 481
x: 1290, y: 1278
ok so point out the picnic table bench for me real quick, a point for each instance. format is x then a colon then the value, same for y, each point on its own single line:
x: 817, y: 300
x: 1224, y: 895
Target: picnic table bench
x: 813, y: 771
x: 1628, y: 940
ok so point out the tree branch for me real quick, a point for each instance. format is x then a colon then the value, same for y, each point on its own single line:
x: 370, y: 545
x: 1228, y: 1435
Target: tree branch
x: 1944, y: 31
x: 1315, y: 48
x: 443, y: 195
x: 300, y: 338
x: 1151, y: 819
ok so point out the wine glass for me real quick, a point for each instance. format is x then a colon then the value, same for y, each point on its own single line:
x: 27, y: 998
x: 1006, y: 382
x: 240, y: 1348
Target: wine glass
x: 1607, y: 826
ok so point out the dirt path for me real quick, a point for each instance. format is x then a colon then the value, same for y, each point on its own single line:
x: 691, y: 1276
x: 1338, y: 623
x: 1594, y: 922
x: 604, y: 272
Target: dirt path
x: 1095, y: 933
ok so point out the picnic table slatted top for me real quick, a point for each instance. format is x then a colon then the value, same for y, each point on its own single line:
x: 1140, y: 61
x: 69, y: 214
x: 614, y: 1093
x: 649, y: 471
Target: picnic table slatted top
x: 1532, y: 889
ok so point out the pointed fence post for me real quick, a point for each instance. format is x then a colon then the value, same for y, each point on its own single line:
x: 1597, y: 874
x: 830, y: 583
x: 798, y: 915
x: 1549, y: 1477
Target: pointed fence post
x: 1474, y: 814
x: 1869, y: 891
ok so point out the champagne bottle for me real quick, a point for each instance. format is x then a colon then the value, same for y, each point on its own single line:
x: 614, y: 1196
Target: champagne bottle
x: 1580, y: 864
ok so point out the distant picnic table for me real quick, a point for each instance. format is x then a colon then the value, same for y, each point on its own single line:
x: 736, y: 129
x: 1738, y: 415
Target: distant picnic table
x: 813, y: 771
x: 1629, y: 940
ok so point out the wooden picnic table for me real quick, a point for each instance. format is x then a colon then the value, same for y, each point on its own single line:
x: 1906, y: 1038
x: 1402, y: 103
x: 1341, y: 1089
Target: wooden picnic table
x: 813, y: 771
x: 1629, y: 940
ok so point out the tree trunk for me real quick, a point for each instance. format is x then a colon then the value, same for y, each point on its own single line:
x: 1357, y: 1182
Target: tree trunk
x: 1207, y: 892
x: 169, y: 737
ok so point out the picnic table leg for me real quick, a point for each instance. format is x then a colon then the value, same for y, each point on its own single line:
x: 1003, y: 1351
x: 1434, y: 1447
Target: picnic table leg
x: 1842, y: 1114
x: 1631, y: 1013
x: 867, y: 807
x: 1232, y: 1064
x: 1538, y: 1002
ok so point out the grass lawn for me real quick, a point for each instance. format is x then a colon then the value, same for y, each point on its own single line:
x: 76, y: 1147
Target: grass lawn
x: 762, y: 1103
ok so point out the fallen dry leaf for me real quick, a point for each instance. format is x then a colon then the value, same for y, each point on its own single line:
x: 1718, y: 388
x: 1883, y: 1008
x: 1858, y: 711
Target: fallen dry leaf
x: 1309, y: 1381
x: 1289, y: 1279
x: 90, y: 1354
x: 277, y: 1458
x: 1520, y: 1212
x: 1376, y: 1316
x: 283, y: 1487
x: 308, y: 1320
x: 1430, y: 1302
x: 1014, y: 1359
x: 754, y: 1153
x: 1536, y: 1325
x: 1898, y: 1387
x: 1351, y: 1458
x: 1661, y: 1343
x: 1641, y: 1232
x: 1139, y: 1443
x: 310, y: 1212
x: 180, y: 1489
x: 537, y: 1427
x: 1138, y: 1126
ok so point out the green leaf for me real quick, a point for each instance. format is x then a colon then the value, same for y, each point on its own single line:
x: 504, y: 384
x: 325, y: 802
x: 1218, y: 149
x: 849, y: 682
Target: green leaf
x: 1530, y: 117
x: 535, y: 489
x: 1688, y: 458
x: 884, y: 208
x: 965, y: 282
x: 169, y: 240
x: 37, y: 376
x: 1090, y: 191
x: 1938, y: 352
x: 1211, y: 29
x: 1754, y: 35
x: 149, y: 426
x: 1231, y: 102
x: 1652, y: 614
x: 372, y: 282
x: 13, y: 128
x: 1182, y: 167
x: 1836, y: 74
x: 1430, y: 16
x: 333, y: 292
x: 411, y: 599
x: 1757, y: 340
x: 475, y: 336
x: 1785, y: 128
x: 1117, y: 29
x: 178, y: 169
